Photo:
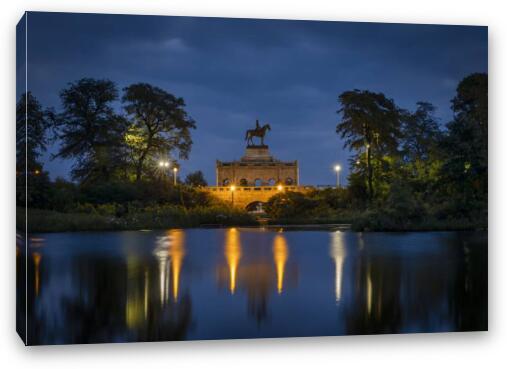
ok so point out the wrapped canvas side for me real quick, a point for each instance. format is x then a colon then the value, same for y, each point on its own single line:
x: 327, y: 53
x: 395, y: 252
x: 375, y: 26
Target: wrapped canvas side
x: 21, y: 179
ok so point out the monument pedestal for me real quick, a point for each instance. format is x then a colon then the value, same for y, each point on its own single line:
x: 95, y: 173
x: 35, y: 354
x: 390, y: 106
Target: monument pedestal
x: 257, y: 153
x: 257, y: 168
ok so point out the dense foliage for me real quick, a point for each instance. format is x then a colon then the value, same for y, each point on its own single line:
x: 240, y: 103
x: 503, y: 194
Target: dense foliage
x: 407, y: 171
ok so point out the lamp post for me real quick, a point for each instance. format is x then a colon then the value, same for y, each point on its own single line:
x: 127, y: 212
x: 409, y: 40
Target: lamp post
x: 232, y: 190
x: 164, y: 164
x: 337, y: 169
x: 175, y: 170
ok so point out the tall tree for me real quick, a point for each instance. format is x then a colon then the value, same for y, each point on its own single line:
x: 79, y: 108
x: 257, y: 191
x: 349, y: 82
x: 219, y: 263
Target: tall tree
x: 32, y: 123
x: 89, y: 129
x: 369, y: 125
x: 421, y: 133
x: 466, y: 142
x: 159, y: 125
x: 420, y: 143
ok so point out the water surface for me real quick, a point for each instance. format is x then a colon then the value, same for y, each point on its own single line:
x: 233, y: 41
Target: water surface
x: 249, y: 282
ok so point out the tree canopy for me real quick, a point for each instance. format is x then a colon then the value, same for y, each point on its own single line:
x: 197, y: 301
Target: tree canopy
x: 370, y: 123
x: 159, y: 125
x: 32, y: 123
x: 89, y: 130
x: 465, y: 145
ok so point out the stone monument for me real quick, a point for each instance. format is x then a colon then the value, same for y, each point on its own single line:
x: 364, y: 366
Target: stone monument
x: 257, y: 167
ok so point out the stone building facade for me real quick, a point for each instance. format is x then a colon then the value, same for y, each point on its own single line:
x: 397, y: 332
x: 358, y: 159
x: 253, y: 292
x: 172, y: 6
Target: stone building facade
x: 257, y: 168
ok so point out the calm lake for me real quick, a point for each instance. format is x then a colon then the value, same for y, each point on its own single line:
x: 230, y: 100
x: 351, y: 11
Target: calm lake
x: 251, y: 282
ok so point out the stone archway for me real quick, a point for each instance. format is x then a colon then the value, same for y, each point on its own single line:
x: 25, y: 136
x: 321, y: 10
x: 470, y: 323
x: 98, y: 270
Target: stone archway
x: 255, y: 207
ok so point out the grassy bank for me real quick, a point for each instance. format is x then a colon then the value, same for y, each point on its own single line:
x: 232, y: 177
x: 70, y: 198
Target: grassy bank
x: 380, y: 221
x: 391, y: 222
x: 156, y: 218
x: 175, y: 216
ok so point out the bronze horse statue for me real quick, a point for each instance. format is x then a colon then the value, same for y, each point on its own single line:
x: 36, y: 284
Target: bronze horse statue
x: 257, y: 132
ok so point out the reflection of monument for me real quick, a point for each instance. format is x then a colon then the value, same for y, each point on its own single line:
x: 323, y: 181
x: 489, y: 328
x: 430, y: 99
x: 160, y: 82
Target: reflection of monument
x: 258, y: 274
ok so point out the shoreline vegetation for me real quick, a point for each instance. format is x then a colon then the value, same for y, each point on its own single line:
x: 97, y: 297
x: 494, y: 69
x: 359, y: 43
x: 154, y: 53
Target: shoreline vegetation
x: 408, y: 171
x: 49, y: 221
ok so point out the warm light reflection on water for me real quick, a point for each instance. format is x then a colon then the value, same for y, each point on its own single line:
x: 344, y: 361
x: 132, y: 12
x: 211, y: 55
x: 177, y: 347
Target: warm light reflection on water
x: 37, y: 261
x: 176, y: 253
x: 162, y: 254
x: 129, y: 286
x: 338, y: 253
x: 170, y: 252
x: 135, y: 308
x: 280, y: 256
x: 369, y: 292
x: 232, y: 253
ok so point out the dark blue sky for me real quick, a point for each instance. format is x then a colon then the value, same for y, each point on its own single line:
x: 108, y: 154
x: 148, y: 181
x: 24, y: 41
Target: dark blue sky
x: 232, y: 71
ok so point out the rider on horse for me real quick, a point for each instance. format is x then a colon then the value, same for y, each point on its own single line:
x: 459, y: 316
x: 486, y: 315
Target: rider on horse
x: 259, y: 131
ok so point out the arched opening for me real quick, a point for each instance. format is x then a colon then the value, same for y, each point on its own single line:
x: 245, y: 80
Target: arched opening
x: 289, y: 181
x: 258, y: 182
x: 256, y: 207
x: 272, y: 182
x: 243, y: 182
x: 226, y: 182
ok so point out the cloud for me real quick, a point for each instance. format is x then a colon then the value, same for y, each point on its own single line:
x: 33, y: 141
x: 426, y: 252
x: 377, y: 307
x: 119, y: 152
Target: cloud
x: 174, y: 44
x: 151, y: 47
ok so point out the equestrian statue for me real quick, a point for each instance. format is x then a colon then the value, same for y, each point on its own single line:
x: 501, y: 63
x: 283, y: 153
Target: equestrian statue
x: 259, y: 131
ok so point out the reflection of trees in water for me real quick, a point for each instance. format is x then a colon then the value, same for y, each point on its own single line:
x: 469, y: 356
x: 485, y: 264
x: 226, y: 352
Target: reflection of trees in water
x: 375, y: 307
x: 146, y: 318
x: 413, y: 294
x: 110, y: 301
x: 469, y: 306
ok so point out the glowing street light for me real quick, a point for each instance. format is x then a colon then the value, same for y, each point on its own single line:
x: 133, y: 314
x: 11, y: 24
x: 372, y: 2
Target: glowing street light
x: 279, y: 188
x: 232, y: 190
x: 164, y: 165
x: 175, y: 170
x: 337, y: 169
